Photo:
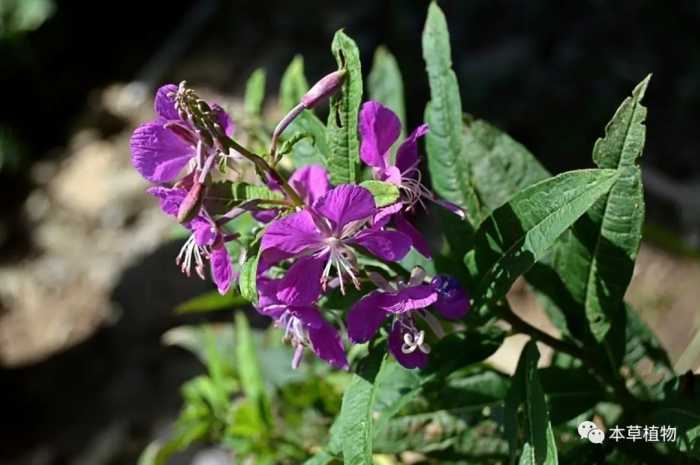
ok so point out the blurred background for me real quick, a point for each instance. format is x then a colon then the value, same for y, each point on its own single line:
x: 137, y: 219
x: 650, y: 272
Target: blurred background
x: 87, y: 279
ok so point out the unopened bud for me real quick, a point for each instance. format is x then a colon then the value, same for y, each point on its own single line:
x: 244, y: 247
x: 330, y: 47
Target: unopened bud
x: 191, y: 204
x: 327, y: 86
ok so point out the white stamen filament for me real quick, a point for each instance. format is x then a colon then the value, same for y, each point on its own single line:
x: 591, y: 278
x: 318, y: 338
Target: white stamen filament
x: 189, y: 250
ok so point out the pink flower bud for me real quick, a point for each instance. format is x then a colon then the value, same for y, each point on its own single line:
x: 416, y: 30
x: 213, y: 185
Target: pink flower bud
x: 327, y: 86
x: 191, y: 204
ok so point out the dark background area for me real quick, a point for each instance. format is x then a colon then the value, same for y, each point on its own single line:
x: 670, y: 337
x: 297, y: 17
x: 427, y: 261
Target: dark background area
x: 549, y: 73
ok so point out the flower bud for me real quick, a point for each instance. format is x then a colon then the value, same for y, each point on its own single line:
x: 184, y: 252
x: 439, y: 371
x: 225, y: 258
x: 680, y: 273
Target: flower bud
x: 191, y: 204
x: 327, y: 86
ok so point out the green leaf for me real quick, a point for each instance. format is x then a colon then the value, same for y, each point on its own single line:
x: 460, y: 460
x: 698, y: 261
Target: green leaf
x: 210, y: 302
x: 570, y: 392
x: 293, y: 85
x: 207, y: 342
x: 242, y: 191
x: 384, y: 193
x: 321, y: 458
x: 247, y: 281
x: 599, y: 258
x: 526, y: 391
x: 249, y: 370
x: 522, y: 231
x: 343, y: 159
x: 385, y: 84
x: 355, y: 420
x: 500, y: 166
x: 449, y: 169
x: 255, y: 92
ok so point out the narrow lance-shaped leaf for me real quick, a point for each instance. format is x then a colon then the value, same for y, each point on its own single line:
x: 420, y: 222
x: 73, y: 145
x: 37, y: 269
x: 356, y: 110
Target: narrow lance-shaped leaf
x: 522, y: 231
x: 540, y: 447
x: 599, y: 259
x: 255, y: 92
x: 293, y: 85
x: 449, y: 169
x: 249, y: 369
x: 385, y: 84
x: 355, y: 419
x: 247, y: 281
x: 343, y: 158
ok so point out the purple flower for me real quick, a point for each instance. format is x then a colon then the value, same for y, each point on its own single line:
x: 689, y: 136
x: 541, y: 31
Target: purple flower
x: 291, y: 302
x: 379, y: 129
x: 161, y: 149
x: 404, y: 302
x: 328, y: 232
x: 205, y: 242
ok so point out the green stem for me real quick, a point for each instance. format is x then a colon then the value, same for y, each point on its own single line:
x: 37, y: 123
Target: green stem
x: 262, y: 166
x: 602, y: 375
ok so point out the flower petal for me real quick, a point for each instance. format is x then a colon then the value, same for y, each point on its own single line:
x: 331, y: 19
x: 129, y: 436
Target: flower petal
x: 417, y: 239
x: 267, y: 297
x: 288, y: 236
x: 409, y: 299
x: 157, y: 153
x: 387, y: 245
x: 365, y: 317
x: 221, y: 270
x: 301, y: 284
x: 310, y: 182
x: 407, y: 155
x: 204, y: 232
x: 325, y: 340
x: 452, y: 302
x: 170, y: 198
x: 163, y: 105
x: 344, y: 204
x: 416, y: 359
x: 379, y: 129
x: 384, y: 215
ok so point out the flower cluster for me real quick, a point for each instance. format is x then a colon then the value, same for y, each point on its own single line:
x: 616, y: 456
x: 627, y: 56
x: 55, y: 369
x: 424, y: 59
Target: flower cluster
x: 317, y: 239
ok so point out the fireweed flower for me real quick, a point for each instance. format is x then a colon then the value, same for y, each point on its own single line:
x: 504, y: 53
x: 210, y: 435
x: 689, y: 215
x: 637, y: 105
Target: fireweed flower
x: 379, y: 129
x: 404, y: 302
x: 328, y: 232
x: 207, y: 241
x: 290, y: 301
x: 162, y: 148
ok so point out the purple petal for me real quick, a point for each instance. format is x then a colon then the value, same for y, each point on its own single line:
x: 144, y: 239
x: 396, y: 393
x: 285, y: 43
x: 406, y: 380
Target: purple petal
x: 344, y: 204
x: 170, y: 198
x: 387, y: 245
x: 416, y: 359
x: 223, y: 119
x: 325, y: 340
x: 365, y: 317
x: 265, y: 216
x: 449, y: 206
x: 379, y: 129
x: 390, y: 174
x: 409, y: 299
x: 417, y: 239
x: 452, y: 302
x: 407, y: 155
x: 268, y: 304
x: 301, y: 284
x: 157, y: 153
x: 163, y: 105
x: 310, y: 182
x: 384, y: 215
x: 221, y: 269
x: 289, y: 236
x: 204, y: 232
